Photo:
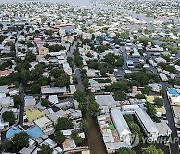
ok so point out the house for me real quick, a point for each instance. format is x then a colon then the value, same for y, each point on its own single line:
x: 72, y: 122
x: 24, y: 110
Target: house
x: 45, y: 124
x: 94, y: 85
x: 28, y: 150
x: 155, y: 87
x: 174, y: 96
x: 53, y: 90
x: 34, y: 114
x: 29, y: 102
x: 176, y: 110
x: 106, y: 100
x: 67, y: 68
x: 163, y: 129
x: 6, y: 102
x: 121, y: 126
x: 68, y: 144
x: 163, y: 77
x: 50, y: 143
x: 130, y: 64
x: 53, y: 99
x: 54, y: 116
x: 147, y: 124
x: 72, y: 89
x: 34, y: 132
x: 76, y: 104
x: 5, y: 73
x: 4, y: 89
x: 3, y: 125
x: 12, y: 131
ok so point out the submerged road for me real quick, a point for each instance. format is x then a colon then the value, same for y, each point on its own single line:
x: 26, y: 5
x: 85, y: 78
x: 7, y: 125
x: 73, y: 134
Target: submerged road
x: 21, y: 113
x: 94, y: 136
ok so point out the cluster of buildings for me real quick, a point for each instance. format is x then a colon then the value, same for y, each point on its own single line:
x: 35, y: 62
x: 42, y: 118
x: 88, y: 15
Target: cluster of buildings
x: 114, y: 128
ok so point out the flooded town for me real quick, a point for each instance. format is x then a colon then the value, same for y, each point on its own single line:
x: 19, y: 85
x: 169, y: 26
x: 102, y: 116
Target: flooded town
x: 89, y: 76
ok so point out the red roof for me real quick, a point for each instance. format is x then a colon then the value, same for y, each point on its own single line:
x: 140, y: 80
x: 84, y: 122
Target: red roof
x: 5, y: 73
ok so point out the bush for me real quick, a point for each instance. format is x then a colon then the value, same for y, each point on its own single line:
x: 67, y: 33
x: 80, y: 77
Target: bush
x: 21, y: 140
x: 9, y: 116
x: 45, y: 149
x: 59, y: 138
x: 78, y: 140
x: 63, y: 124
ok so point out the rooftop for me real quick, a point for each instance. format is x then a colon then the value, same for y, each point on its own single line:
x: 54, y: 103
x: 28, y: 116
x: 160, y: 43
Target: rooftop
x: 34, y: 114
x: 34, y: 132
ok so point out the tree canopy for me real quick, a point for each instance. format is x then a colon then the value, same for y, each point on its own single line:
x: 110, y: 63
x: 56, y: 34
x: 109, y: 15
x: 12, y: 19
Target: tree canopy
x: 80, y: 96
x: 9, y: 116
x: 21, y: 140
x: 93, y: 108
x: 77, y: 139
x: 45, y: 149
x: 125, y: 150
x: 59, y: 138
x: 152, y: 150
x: 64, y: 123
x: 151, y: 110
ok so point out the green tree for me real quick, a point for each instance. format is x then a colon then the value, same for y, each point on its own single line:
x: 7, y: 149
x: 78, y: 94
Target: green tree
x: 30, y: 56
x: 119, y: 62
x: 84, y: 125
x: 62, y: 80
x: 64, y: 123
x: 56, y: 72
x: 85, y: 82
x: 125, y: 150
x: 89, y: 55
x: 77, y: 139
x: 2, y: 38
x: 49, y: 32
x: 45, y: 102
x: 151, y: 110
x: 177, y: 62
x: 45, y: 149
x: 9, y: 116
x: 119, y: 95
x: 35, y: 89
x: 129, y: 118
x: 43, y: 81
x: 93, y: 108
x: 80, y: 96
x: 6, y: 144
x: 39, y: 68
x: 158, y: 101
x: 152, y: 150
x: 166, y: 57
x: 134, y: 128
x: 21, y: 140
x: 103, y: 72
x: 59, y: 138
x: 17, y: 99
x: 146, y: 90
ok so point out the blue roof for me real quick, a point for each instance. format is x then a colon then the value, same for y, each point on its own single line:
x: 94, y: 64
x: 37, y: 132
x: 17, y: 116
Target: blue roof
x: 12, y: 131
x: 28, y: 97
x: 173, y: 91
x: 34, y: 132
x: 96, y: 41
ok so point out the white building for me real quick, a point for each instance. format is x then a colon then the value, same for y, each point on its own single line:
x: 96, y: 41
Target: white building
x: 121, y: 126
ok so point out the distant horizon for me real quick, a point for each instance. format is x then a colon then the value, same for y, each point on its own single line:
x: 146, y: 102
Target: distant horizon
x: 76, y: 2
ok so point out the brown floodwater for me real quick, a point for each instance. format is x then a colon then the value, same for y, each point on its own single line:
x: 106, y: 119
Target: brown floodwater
x: 94, y: 136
